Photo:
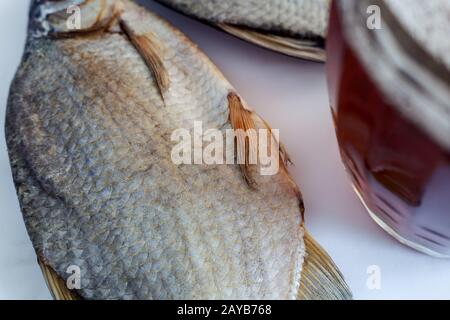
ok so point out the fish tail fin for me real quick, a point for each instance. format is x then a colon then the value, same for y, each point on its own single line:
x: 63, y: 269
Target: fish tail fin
x: 56, y: 284
x: 321, y: 279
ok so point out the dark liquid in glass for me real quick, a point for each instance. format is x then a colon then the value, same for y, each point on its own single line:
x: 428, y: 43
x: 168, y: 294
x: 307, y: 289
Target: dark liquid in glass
x: 401, y: 174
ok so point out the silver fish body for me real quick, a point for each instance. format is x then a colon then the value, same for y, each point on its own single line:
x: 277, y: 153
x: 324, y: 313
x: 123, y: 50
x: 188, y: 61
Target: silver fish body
x: 89, y: 123
x: 294, y: 27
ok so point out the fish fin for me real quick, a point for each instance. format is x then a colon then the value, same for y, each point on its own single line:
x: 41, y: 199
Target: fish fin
x: 56, y: 284
x: 150, y: 51
x: 242, y: 120
x: 321, y: 279
x: 304, y: 49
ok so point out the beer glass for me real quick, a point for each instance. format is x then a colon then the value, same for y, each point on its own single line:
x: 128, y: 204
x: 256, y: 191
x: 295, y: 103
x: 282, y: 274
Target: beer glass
x: 388, y: 74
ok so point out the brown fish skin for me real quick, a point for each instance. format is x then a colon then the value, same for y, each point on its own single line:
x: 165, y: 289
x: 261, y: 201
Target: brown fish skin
x: 88, y: 129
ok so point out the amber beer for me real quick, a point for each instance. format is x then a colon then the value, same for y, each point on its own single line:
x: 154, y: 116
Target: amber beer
x: 390, y: 98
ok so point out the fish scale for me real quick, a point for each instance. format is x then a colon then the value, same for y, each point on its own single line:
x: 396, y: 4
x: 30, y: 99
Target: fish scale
x: 88, y: 131
x: 298, y: 17
x: 294, y: 27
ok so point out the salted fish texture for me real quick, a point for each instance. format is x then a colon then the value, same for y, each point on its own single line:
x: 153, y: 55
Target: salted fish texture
x: 89, y: 123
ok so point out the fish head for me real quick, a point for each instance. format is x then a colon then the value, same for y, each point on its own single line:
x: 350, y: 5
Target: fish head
x: 50, y: 17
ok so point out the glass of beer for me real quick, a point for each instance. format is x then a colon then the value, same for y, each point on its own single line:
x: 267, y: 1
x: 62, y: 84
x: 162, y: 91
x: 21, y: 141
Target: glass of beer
x: 388, y: 74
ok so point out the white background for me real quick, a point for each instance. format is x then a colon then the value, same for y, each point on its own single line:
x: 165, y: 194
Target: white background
x: 290, y: 94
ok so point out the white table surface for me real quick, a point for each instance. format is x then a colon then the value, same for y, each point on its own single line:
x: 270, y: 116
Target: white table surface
x: 290, y: 94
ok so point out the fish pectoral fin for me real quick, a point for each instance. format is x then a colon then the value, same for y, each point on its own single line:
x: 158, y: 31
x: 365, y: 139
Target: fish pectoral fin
x: 56, y: 284
x: 304, y: 49
x: 149, y: 48
x: 321, y: 279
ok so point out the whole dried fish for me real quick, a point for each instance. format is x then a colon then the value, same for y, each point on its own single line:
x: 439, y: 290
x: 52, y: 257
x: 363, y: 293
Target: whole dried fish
x: 89, y: 123
x: 294, y: 27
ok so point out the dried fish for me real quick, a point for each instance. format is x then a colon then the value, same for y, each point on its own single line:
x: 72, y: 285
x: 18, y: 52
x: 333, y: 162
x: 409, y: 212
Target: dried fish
x: 294, y: 27
x: 89, y: 122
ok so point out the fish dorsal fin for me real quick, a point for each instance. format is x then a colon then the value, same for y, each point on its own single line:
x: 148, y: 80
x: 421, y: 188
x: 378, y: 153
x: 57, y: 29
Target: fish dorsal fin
x: 242, y: 119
